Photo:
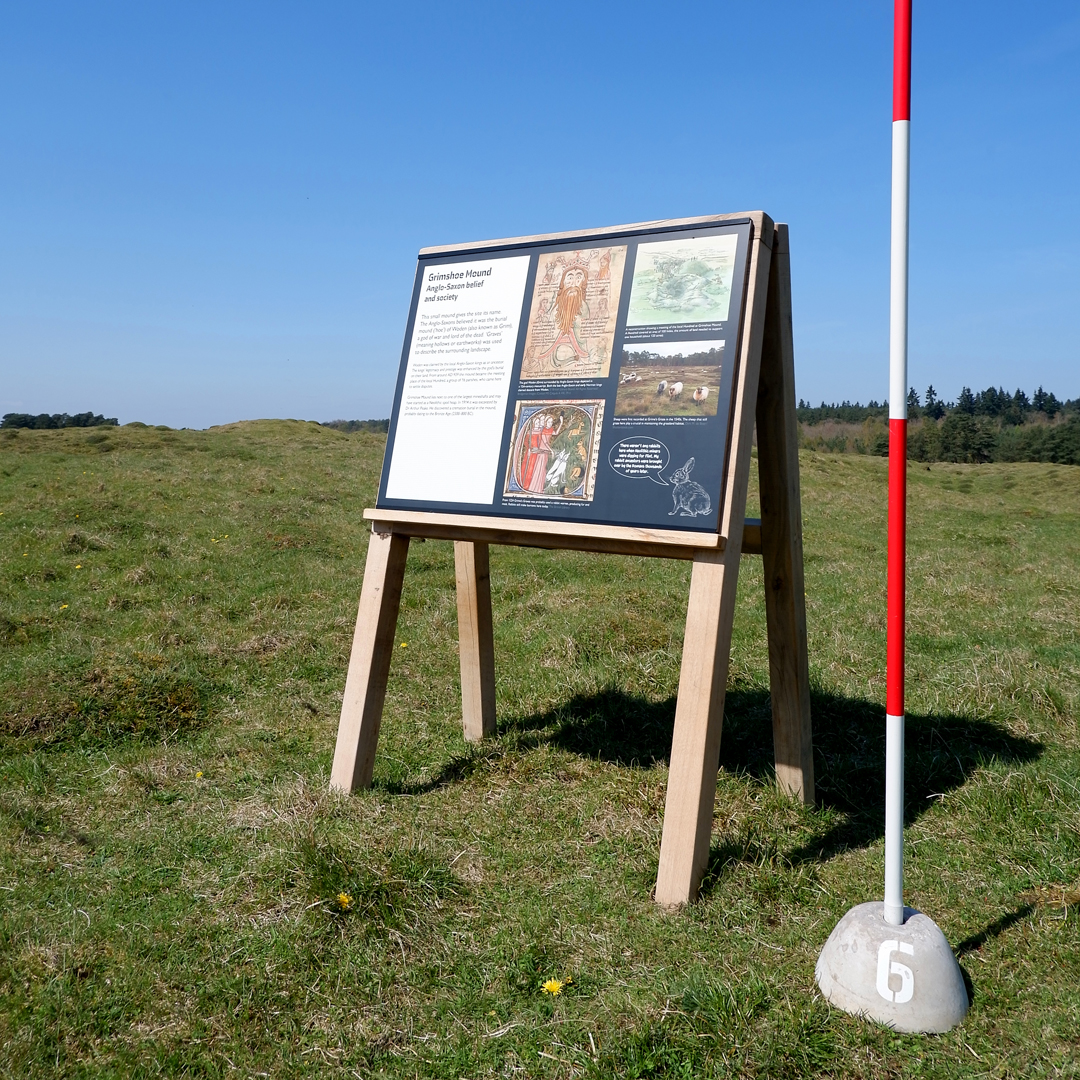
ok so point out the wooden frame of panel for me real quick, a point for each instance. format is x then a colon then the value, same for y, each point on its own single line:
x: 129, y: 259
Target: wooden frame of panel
x: 765, y: 396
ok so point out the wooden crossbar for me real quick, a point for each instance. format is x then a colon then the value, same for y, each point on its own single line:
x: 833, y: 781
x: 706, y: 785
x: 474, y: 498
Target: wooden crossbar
x: 523, y: 532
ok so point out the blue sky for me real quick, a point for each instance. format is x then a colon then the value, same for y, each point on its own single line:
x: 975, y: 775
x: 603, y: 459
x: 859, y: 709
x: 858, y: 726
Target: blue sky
x: 211, y: 212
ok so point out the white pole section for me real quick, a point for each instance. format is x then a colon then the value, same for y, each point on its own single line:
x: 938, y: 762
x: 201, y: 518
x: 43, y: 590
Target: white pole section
x: 898, y: 276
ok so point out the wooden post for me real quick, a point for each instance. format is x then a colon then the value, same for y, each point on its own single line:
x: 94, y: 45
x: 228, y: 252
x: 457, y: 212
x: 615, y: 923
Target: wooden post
x: 699, y: 721
x: 369, y: 663
x: 781, y: 536
x: 710, y: 614
x: 475, y: 643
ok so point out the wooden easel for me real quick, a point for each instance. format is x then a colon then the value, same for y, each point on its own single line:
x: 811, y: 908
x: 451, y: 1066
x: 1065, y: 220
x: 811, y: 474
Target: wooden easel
x: 766, y: 395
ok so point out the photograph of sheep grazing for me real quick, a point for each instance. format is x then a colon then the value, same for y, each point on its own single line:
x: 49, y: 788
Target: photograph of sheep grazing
x: 670, y: 379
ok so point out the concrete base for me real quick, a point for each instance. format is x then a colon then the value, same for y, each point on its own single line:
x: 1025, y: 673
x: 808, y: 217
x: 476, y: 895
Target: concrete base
x: 904, y: 976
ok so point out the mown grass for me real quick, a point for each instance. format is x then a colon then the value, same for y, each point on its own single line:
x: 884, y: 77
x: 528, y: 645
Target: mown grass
x: 181, y: 896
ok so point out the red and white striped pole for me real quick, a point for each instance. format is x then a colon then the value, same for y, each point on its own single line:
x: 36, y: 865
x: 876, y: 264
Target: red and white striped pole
x: 878, y: 963
x: 898, y: 393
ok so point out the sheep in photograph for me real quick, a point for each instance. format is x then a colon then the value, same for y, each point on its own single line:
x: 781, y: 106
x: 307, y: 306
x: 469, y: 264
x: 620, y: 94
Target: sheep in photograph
x: 674, y: 390
x: 701, y: 393
x: 662, y: 387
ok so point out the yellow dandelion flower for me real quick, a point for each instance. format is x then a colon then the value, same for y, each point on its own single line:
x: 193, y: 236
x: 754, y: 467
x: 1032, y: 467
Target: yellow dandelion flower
x: 552, y: 987
x: 345, y: 900
x: 198, y: 776
x: 62, y: 606
x: 404, y: 644
x: 78, y: 566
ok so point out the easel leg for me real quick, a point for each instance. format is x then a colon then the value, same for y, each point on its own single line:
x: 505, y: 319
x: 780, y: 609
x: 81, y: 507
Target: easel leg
x: 369, y: 663
x: 781, y: 536
x: 475, y: 643
x: 699, y: 721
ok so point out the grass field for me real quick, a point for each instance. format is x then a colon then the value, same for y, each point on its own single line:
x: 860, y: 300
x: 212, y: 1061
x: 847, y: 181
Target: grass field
x: 181, y: 897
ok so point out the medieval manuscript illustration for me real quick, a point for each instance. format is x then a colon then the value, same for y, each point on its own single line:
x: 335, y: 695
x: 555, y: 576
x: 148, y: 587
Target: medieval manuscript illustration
x: 572, y: 318
x: 683, y: 281
x: 554, y: 449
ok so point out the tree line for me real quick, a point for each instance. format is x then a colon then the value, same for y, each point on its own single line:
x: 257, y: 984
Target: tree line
x: 1016, y: 408
x: 377, y: 426
x: 645, y: 358
x: 56, y: 420
x: 988, y: 425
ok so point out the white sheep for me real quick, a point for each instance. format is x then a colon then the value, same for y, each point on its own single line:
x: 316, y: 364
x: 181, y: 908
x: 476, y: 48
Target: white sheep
x: 674, y: 390
x: 701, y: 393
x: 662, y: 387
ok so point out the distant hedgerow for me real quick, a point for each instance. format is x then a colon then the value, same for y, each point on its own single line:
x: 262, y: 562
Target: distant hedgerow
x: 57, y: 420
x: 378, y: 426
x: 991, y: 425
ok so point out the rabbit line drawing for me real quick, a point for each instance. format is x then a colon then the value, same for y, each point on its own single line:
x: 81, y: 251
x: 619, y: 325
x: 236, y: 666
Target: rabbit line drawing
x: 690, y: 498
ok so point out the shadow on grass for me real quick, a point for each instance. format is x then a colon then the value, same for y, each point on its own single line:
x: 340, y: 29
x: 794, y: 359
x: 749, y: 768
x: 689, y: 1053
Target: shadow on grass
x: 458, y: 768
x: 610, y: 726
x: 849, y: 751
x: 975, y: 942
x: 940, y: 752
x: 999, y: 926
x: 849, y: 757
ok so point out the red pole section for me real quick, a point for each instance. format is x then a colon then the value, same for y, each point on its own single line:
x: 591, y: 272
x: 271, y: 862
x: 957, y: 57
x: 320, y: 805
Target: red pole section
x: 894, y: 626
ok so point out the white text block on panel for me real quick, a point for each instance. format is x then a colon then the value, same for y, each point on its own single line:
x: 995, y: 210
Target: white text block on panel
x: 453, y: 403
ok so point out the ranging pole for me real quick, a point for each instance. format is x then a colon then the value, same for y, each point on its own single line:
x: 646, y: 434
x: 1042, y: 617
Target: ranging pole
x: 898, y: 393
x: 884, y: 961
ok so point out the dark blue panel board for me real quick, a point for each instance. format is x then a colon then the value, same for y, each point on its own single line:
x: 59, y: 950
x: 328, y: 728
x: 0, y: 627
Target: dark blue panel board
x: 585, y: 379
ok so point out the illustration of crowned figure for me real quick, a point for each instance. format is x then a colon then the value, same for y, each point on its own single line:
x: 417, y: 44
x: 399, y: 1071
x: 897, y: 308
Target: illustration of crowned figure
x: 537, y: 451
x: 570, y: 307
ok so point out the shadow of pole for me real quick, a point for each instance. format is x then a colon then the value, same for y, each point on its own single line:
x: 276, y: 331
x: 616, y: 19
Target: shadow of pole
x: 977, y: 941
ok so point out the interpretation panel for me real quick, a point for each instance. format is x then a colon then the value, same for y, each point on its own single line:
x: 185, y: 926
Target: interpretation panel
x: 573, y: 379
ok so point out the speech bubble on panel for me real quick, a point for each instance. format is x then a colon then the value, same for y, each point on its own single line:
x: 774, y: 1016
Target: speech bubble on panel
x: 640, y: 458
